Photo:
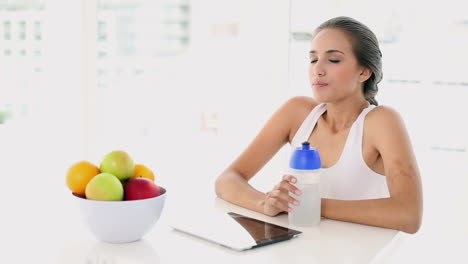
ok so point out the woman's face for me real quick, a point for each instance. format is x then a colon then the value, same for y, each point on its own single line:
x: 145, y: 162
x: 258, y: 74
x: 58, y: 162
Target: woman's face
x: 334, y: 72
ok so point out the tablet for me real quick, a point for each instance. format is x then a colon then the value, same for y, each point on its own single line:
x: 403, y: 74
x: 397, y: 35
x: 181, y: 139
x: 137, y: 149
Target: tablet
x: 233, y: 230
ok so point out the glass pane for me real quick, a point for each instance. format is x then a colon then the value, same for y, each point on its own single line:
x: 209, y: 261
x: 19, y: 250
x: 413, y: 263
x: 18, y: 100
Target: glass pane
x: 21, y: 55
x: 40, y: 105
x: 40, y: 102
x: 139, y: 47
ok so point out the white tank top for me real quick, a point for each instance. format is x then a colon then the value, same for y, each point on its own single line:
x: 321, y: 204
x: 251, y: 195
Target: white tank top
x: 350, y: 178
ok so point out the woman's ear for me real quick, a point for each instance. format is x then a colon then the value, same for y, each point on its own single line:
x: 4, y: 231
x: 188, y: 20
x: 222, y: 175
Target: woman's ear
x: 365, y: 74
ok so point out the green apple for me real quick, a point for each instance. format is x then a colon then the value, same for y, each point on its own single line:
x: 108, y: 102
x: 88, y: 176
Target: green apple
x: 104, y: 187
x: 118, y: 163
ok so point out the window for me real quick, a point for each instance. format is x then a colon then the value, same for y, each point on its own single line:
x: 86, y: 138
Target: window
x: 424, y: 59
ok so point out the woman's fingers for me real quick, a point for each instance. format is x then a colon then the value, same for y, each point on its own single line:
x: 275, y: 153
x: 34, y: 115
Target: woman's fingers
x: 289, y: 178
x: 279, y: 205
x: 287, y: 184
x: 279, y: 199
x: 283, y: 196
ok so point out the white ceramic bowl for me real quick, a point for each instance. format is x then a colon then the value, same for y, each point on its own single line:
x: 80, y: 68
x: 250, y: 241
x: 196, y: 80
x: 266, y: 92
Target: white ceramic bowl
x: 121, y: 221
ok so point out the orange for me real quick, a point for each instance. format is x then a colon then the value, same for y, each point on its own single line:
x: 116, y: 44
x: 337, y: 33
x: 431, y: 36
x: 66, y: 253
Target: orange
x: 78, y: 176
x: 142, y: 171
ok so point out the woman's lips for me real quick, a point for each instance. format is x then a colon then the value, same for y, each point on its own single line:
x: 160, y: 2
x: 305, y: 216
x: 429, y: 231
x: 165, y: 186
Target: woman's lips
x: 319, y: 84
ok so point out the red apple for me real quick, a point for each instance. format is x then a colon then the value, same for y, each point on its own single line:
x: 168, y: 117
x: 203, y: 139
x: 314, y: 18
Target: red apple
x: 141, y: 188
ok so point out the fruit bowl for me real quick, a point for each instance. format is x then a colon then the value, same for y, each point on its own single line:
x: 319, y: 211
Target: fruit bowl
x: 121, y: 221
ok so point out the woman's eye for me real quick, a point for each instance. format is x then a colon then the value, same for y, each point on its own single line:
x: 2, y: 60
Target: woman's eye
x: 335, y: 61
x: 313, y: 61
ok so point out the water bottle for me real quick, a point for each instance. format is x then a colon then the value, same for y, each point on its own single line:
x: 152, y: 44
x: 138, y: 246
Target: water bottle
x: 305, y: 165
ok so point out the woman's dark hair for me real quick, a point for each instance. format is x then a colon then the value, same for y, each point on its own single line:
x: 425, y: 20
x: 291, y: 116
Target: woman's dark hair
x: 365, y: 48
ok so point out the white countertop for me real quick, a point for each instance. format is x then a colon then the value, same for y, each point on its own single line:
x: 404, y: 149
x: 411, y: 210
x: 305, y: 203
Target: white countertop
x: 32, y: 232
x: 58, y: 235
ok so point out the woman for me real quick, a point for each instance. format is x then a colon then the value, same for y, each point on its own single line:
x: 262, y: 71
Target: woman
x: 370, y: 174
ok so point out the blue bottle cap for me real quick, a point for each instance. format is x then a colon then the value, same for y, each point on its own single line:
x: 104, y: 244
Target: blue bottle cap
x: 305, y: 158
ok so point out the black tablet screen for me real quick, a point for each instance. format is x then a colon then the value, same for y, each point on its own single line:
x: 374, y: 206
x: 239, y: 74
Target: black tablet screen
x: 263, y: 233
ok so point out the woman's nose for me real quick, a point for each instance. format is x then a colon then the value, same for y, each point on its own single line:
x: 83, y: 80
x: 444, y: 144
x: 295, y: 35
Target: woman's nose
x: 318, y: 69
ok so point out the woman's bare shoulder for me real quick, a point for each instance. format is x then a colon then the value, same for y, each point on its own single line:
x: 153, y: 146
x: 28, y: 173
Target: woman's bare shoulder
x: 384, y: 120
x: 301, y: 103
x: 297, y: 109
x: 383, y: 114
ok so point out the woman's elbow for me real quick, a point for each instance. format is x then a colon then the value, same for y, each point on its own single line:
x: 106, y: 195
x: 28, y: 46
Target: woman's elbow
x: 411, y: 228
x: 412, y: 222
x: 221, y: 184
x: 218, y: 186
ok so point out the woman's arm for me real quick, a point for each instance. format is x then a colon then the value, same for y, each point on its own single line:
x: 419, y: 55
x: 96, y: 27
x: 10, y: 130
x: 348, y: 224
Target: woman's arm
x: 403, y: 210
x: 232, y: 185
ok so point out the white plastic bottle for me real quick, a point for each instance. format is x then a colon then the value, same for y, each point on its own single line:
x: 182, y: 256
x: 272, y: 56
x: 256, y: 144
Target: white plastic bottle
x: 305, y: 165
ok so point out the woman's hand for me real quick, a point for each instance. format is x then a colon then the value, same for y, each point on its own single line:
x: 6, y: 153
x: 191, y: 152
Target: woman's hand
x: 278, y: 199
